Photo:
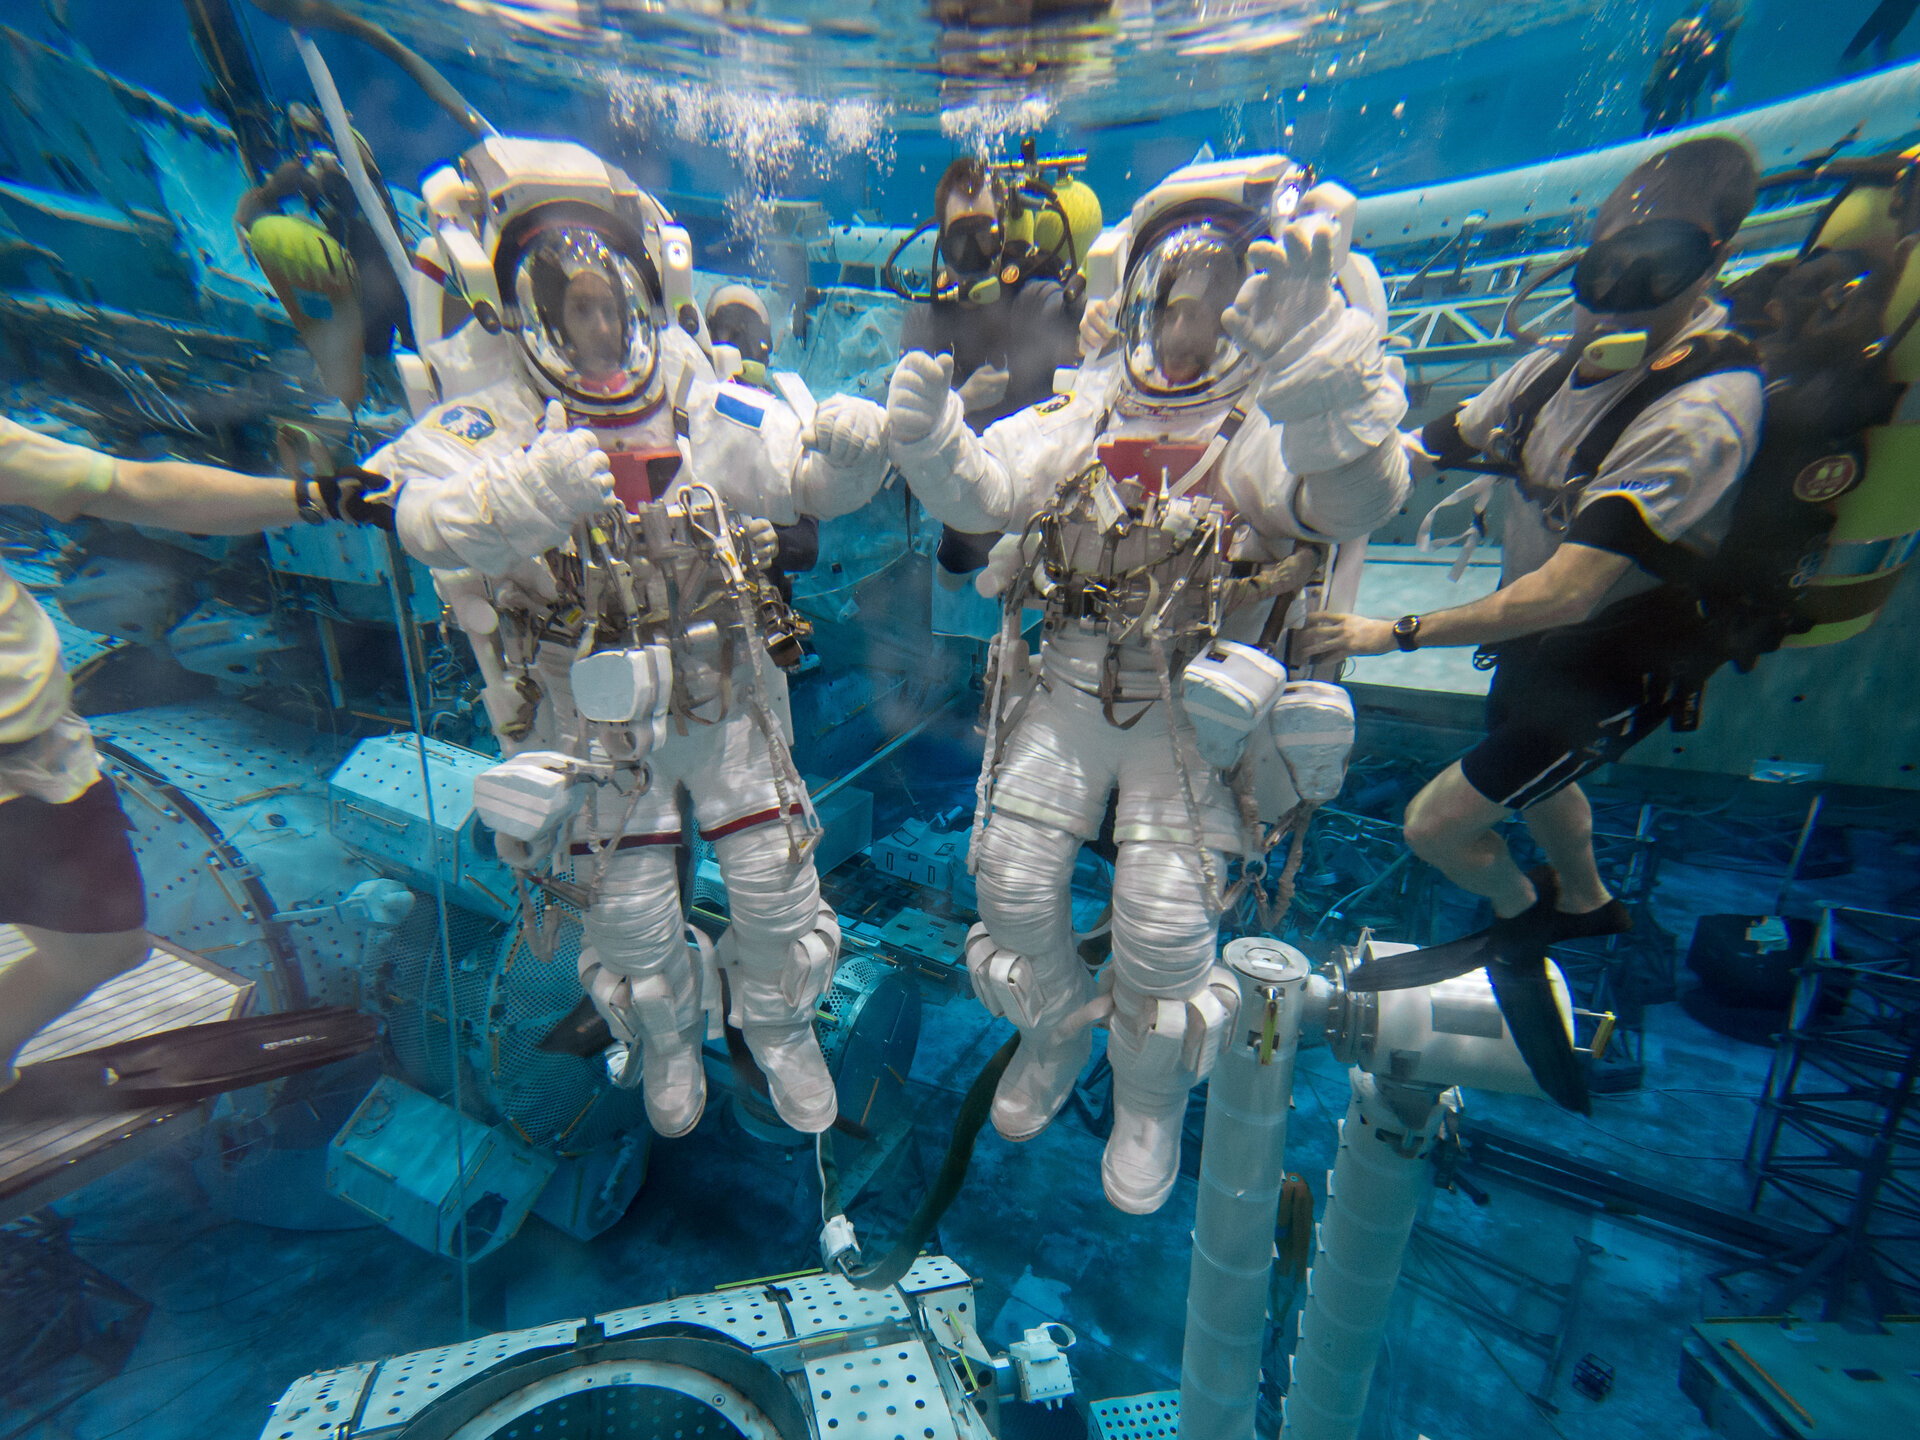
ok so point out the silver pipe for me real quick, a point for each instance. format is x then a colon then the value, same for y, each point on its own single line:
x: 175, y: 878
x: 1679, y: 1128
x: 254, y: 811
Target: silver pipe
x: 1242, y: 1167
x: 1373, y: 1194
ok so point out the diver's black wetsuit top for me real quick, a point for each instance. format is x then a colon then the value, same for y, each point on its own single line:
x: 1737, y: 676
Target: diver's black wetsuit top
x: 1030, y: 331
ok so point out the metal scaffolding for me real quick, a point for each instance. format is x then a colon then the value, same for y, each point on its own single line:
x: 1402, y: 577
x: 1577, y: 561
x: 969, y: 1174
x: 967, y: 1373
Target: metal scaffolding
x: 1837, y: 1139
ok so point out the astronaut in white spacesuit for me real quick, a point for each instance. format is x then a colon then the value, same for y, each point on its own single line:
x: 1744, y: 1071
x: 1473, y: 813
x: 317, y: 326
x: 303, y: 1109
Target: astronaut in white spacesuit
x: 626, y: 647
x: 1242, y: 411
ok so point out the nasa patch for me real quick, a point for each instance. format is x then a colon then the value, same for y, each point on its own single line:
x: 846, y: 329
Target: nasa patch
x: 1825, y: 478
x: 1057, y: 403
x: 467, y: 422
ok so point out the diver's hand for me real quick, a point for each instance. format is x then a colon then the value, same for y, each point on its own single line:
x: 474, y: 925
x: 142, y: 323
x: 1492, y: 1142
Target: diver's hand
x: 763, y: 542
x: 1291, y: 285
x: 1330, y: 635
x: 985, y: 388
x: 564, y: 472
x: 917, y: 396
x: 1096, y: 326
x: 358, y: 497
x: 848, y: 432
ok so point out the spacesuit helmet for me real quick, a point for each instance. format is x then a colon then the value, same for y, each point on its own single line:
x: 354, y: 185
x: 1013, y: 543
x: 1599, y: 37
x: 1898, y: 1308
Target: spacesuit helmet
x: 1178, y: 262
x: 581, y: 297
x: 1179, y: 283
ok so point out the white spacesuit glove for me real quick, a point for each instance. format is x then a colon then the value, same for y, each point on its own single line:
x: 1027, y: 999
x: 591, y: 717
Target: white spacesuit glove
x: 1291, y: 287
x: 1003, y: 563
x: 845, y: 459
x: 918, y: 396
x: 1097, y: 327
x: 536, y: 494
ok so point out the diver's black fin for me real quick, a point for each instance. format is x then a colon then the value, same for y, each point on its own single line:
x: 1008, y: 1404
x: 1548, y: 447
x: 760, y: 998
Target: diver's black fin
x: 1524, y: 993
x: 584, y: 1033
x: 1430, y: 966
x: 178, y: 1067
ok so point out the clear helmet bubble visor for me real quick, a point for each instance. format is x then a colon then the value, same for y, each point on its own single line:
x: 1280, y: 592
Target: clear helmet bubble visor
x: 1178, y: 286
x: 583, y: 303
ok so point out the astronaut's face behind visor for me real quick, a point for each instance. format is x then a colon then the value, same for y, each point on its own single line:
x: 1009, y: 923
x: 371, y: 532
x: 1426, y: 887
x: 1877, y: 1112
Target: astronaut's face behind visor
x: 1175, y: 295
x: 584, y: 312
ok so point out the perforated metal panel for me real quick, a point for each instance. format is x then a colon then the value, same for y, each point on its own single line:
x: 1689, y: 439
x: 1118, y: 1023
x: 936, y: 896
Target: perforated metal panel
x: 1153, y: 1416
x: 824, y: 1303
x: 933, y: 1272
x: 379, y: 806
x: 750, y: 1317
x: 407, y: 1384
x: 316, y: 1407
x: 621, y: 1412
x: 888, y: 1392
x: 505, y: 1001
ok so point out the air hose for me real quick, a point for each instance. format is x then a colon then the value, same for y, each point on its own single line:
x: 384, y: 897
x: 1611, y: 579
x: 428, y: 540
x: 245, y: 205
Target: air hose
x: 888, y: 1269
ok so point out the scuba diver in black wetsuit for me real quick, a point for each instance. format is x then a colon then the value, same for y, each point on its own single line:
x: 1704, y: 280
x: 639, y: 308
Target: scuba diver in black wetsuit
x: 1881, y: 31
x: 1696, y: 55
x: 1000, y: 309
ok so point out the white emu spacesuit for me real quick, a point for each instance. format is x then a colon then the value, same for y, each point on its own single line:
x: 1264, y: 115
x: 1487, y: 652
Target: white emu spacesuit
x: 1243, y: 411
x: 626, y: 648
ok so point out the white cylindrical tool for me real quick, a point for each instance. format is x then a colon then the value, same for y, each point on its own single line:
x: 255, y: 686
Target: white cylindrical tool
x: 1242, y: 1168
x: 1373, y: 1193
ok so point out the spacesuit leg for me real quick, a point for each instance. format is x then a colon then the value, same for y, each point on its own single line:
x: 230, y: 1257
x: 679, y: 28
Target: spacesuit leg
x: 780, y: 951
x: 644, y: 975
x: 1173, y: 1008
x: 1026, y: 969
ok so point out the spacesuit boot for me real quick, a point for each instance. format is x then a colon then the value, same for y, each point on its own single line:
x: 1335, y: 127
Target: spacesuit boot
x: 643, y: 1015
x: 1045, y: 996
x: 774, y: 1010
x: 1159, y: 1050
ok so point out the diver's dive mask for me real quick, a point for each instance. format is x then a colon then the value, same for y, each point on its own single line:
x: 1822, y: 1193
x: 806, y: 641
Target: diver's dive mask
x: 582, y: 298
x: 1643, y: 267
x: 972, y: 273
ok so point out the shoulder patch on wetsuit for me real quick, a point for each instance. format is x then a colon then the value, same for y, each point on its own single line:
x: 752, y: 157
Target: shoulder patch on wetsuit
x: 467, y: 422
x: 737, y: 404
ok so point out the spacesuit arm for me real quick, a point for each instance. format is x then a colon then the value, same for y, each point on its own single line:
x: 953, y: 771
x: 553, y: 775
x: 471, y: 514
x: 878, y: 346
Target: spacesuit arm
x: 763, y: 459
x: 490, y: 509
x: 1334, y: 399
x: 999, y: 479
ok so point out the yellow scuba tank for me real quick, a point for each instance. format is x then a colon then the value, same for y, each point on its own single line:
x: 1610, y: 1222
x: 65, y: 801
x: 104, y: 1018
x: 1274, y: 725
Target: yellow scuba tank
x: 315, y: 279
x: 1084, y: 218
x: 1876, y: 530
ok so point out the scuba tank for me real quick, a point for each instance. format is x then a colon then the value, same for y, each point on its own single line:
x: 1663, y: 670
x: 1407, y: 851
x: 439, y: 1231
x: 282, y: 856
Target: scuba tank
x: 1840, y: 456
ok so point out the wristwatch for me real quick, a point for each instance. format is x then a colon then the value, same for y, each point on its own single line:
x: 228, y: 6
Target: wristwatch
x: 1406, y: 632
x: 306, y: 502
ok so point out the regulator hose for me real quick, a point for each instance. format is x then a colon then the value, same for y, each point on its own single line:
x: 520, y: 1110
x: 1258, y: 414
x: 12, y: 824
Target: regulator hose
x: 974, y: 1112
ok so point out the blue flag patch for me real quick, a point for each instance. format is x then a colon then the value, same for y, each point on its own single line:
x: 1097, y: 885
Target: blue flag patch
x: 738, y: 409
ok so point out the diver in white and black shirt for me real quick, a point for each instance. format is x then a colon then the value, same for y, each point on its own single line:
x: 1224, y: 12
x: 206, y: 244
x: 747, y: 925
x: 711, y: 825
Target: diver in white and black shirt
x: 1622, y: 455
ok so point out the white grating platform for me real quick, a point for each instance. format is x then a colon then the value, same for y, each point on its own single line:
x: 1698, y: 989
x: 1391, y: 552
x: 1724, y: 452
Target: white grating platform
x: 821, y: 1304
x: 1153, y: 1416
x: 888, y: 1392
x: 316, y: 1407
x: 407, y: 1384
x: 43, y: 1160
x: 749, y: 1316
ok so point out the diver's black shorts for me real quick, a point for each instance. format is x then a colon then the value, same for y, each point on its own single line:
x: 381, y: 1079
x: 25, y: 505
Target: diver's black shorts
x: 70, y: 867
x: 1560, y: 707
